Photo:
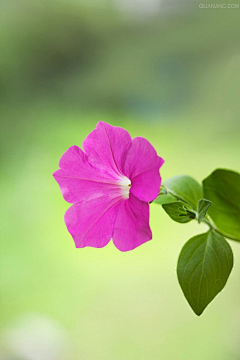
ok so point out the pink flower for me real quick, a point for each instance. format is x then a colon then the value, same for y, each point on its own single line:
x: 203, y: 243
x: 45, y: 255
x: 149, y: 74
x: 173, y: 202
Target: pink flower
x: 110, y: 185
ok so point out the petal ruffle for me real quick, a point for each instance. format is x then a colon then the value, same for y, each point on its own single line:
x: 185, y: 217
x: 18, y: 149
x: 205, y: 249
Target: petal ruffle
x: 146, y: 185
x: 132, y: 224
x: 106, y: 148
x: 142, y: 167
x: 79, y: 180
x: 91, y: 223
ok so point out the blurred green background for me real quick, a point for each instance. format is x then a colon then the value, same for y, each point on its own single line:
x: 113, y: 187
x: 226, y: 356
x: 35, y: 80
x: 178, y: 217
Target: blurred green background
x: 165, y: 70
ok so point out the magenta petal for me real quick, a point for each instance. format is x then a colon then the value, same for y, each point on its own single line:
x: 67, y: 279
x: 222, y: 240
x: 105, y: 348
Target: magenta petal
x: 140, y: 157
x: 142, y: 168
x: 146, y: 185
x: 75, y: 163
x: 91, y: 223
x: 78, y: 180
x: 75, y: 190
x: 132, y: 224
x: 106, y: 148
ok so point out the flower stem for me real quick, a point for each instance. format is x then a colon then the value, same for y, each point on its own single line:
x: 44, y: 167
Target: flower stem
x: 212, y: 227
x: 177, y: 197
x: 206, y: 220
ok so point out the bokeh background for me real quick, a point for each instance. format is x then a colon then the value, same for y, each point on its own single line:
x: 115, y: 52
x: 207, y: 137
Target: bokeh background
x: 165, y: 70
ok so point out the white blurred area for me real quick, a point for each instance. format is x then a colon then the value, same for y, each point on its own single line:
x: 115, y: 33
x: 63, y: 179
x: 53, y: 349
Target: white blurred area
x: 139, y: 6
x: 34, y: 337
x: 143, y: 8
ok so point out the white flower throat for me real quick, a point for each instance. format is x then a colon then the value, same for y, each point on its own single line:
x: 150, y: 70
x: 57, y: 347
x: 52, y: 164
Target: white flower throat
x: 125, y: 184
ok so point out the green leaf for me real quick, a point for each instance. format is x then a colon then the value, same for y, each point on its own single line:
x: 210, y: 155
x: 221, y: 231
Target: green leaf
x: 222, y: 187
x: 164, y: 199
x: 203, y: 206
x: 179, y: 212
x: 185, y: 188
x: 204, y: 265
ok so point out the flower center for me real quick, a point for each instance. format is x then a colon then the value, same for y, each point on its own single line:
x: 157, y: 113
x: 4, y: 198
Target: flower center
x: 125, y: 184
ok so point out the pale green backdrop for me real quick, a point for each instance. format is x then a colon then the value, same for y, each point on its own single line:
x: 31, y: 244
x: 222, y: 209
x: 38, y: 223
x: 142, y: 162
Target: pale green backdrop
x: 167, y: 72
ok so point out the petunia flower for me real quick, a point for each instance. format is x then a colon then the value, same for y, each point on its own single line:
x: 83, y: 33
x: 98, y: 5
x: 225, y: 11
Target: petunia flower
x: 110, y: 185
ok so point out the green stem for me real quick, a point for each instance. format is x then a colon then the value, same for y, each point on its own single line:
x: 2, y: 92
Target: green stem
x: 170, y: 192
x: 212, y: 227
x: 205, y: 220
